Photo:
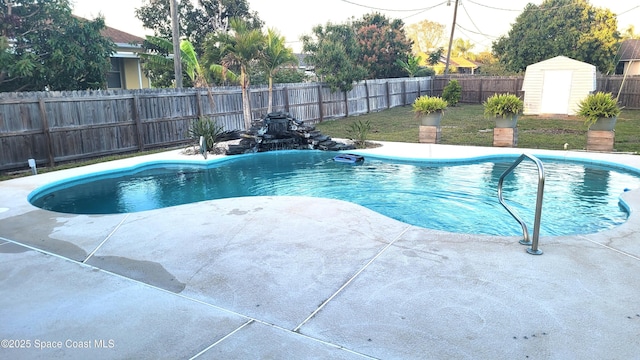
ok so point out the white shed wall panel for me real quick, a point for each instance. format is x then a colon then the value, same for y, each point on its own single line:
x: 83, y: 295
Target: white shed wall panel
x: 583, y: 82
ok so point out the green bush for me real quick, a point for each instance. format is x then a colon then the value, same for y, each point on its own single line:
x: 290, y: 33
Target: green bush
x: 598, y: 105
x: 427, y: 104
x: 503, y: 105
x: 358, y: 132
x: 452, y: 92
x: 207, y: 127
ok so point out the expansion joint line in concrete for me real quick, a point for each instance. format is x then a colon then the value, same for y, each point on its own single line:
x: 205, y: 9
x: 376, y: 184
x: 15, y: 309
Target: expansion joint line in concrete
x: 351, y: 279
x: 105, y: 239
x: 613, y: 249
x: 221, y: 340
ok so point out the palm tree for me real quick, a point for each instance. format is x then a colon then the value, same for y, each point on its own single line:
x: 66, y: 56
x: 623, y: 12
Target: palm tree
x: 462, y: 48
x: 191, y: 64
x: 275, y: 55
x: 630, y: 33
x: 240, y: 47
x: 412, y: 66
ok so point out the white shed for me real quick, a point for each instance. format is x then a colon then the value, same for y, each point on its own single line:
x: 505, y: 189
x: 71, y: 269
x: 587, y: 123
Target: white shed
x: 556, y: 85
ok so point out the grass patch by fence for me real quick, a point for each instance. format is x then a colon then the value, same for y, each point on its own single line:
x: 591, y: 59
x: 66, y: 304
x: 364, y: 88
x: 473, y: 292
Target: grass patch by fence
x: 462, y: 125
x: 466, y: 125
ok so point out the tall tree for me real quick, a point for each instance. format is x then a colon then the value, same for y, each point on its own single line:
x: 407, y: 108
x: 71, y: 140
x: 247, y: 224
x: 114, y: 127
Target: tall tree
x: 275, y: 55
x: 241, y: 47
x: 334, y: 52
x: 196, y: 73
x: 572, y: 28
x: 382, y: 43
x: 434, y: 57
x: 196, y: 23
x: 630, y: 33
x: 45, y: 47
x: 158, y: 65
x: 426, y: 36
x: 413, y: 68
x: 462, y: 48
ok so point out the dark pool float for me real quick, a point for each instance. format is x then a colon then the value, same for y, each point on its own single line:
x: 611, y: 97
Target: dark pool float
x: 349, y: 158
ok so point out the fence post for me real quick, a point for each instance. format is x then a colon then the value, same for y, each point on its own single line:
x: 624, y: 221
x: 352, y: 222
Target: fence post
x: 404, y: 92
x: 320, y: 102
x: 47, y: 132
x: 346, y: 104
x: 138, y: 124
x: 481, y: 92
x: 366, y: 92
x: 286, y: 99
x: 199, y: 103
x: 419, y: 93
x: 388, y: 96
x: 431, y: 83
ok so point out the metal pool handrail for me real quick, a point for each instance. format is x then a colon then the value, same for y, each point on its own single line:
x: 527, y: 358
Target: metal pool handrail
x: 536, y: 226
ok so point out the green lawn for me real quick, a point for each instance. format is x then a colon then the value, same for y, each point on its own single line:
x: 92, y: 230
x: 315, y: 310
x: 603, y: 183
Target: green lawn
x: 462, y: 125
x: 465, y: 125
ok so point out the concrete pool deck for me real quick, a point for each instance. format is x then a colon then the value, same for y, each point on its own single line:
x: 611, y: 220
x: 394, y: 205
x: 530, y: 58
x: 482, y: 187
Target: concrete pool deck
x: 296, y: 277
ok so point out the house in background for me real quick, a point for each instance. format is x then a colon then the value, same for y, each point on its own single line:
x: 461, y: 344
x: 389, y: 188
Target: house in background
x: 126, y: 70
x: 629, y: 55
x: 309, y: 70
x: 457, y: 65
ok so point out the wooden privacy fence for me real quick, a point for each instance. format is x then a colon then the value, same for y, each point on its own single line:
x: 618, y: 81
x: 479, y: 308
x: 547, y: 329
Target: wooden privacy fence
x: 476, y: 89
x: 53, y: 127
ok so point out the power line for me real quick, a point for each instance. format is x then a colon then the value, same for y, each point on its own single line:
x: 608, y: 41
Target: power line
x: 473, y: 23
x: 392, y: 10
x: 538, y: 7
x: 626, y: 11
x: 493, y: 7
x: 481, y: 43
x: 489, y: 37
x: 424, y: 10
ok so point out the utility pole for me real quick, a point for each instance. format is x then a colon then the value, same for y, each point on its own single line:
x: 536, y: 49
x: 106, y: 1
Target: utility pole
x: 453, y: 27
x: 175, y: 28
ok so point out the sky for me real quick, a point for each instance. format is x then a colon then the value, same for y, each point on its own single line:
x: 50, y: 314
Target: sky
x: 480, y: 21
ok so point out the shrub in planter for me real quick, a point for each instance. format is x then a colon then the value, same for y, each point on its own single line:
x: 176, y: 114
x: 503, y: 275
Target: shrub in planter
x: 503, y: 105
x: 429, y: 104
x: 452, y: 92
x: 429, y: 109
x: 596, y: 106
x: 504, y: 108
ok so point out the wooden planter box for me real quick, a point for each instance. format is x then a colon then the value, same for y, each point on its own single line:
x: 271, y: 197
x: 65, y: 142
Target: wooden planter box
x: 505, y: 137
x: 429, y: 134
x: 600, y: 140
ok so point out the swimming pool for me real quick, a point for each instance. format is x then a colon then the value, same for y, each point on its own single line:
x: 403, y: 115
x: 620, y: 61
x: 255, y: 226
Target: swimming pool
x: 455, y: 196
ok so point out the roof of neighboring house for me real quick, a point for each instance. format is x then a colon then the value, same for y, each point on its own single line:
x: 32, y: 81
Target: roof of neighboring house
x: 117, y: 36
x: 121, y: 37
x: 459, y: 62
x: 463, y: 63
x: 630, y: 50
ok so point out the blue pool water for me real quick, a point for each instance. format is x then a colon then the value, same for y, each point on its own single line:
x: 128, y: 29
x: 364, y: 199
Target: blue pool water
x: 458, y: 197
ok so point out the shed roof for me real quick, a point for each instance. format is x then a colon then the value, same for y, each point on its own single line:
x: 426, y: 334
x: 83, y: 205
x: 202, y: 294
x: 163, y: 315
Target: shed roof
x: 630, y: 50
x: 560, y: 60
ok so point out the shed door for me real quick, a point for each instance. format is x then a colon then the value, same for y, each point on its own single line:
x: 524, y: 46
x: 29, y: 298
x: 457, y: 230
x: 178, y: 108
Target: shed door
x: 556, y: 88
